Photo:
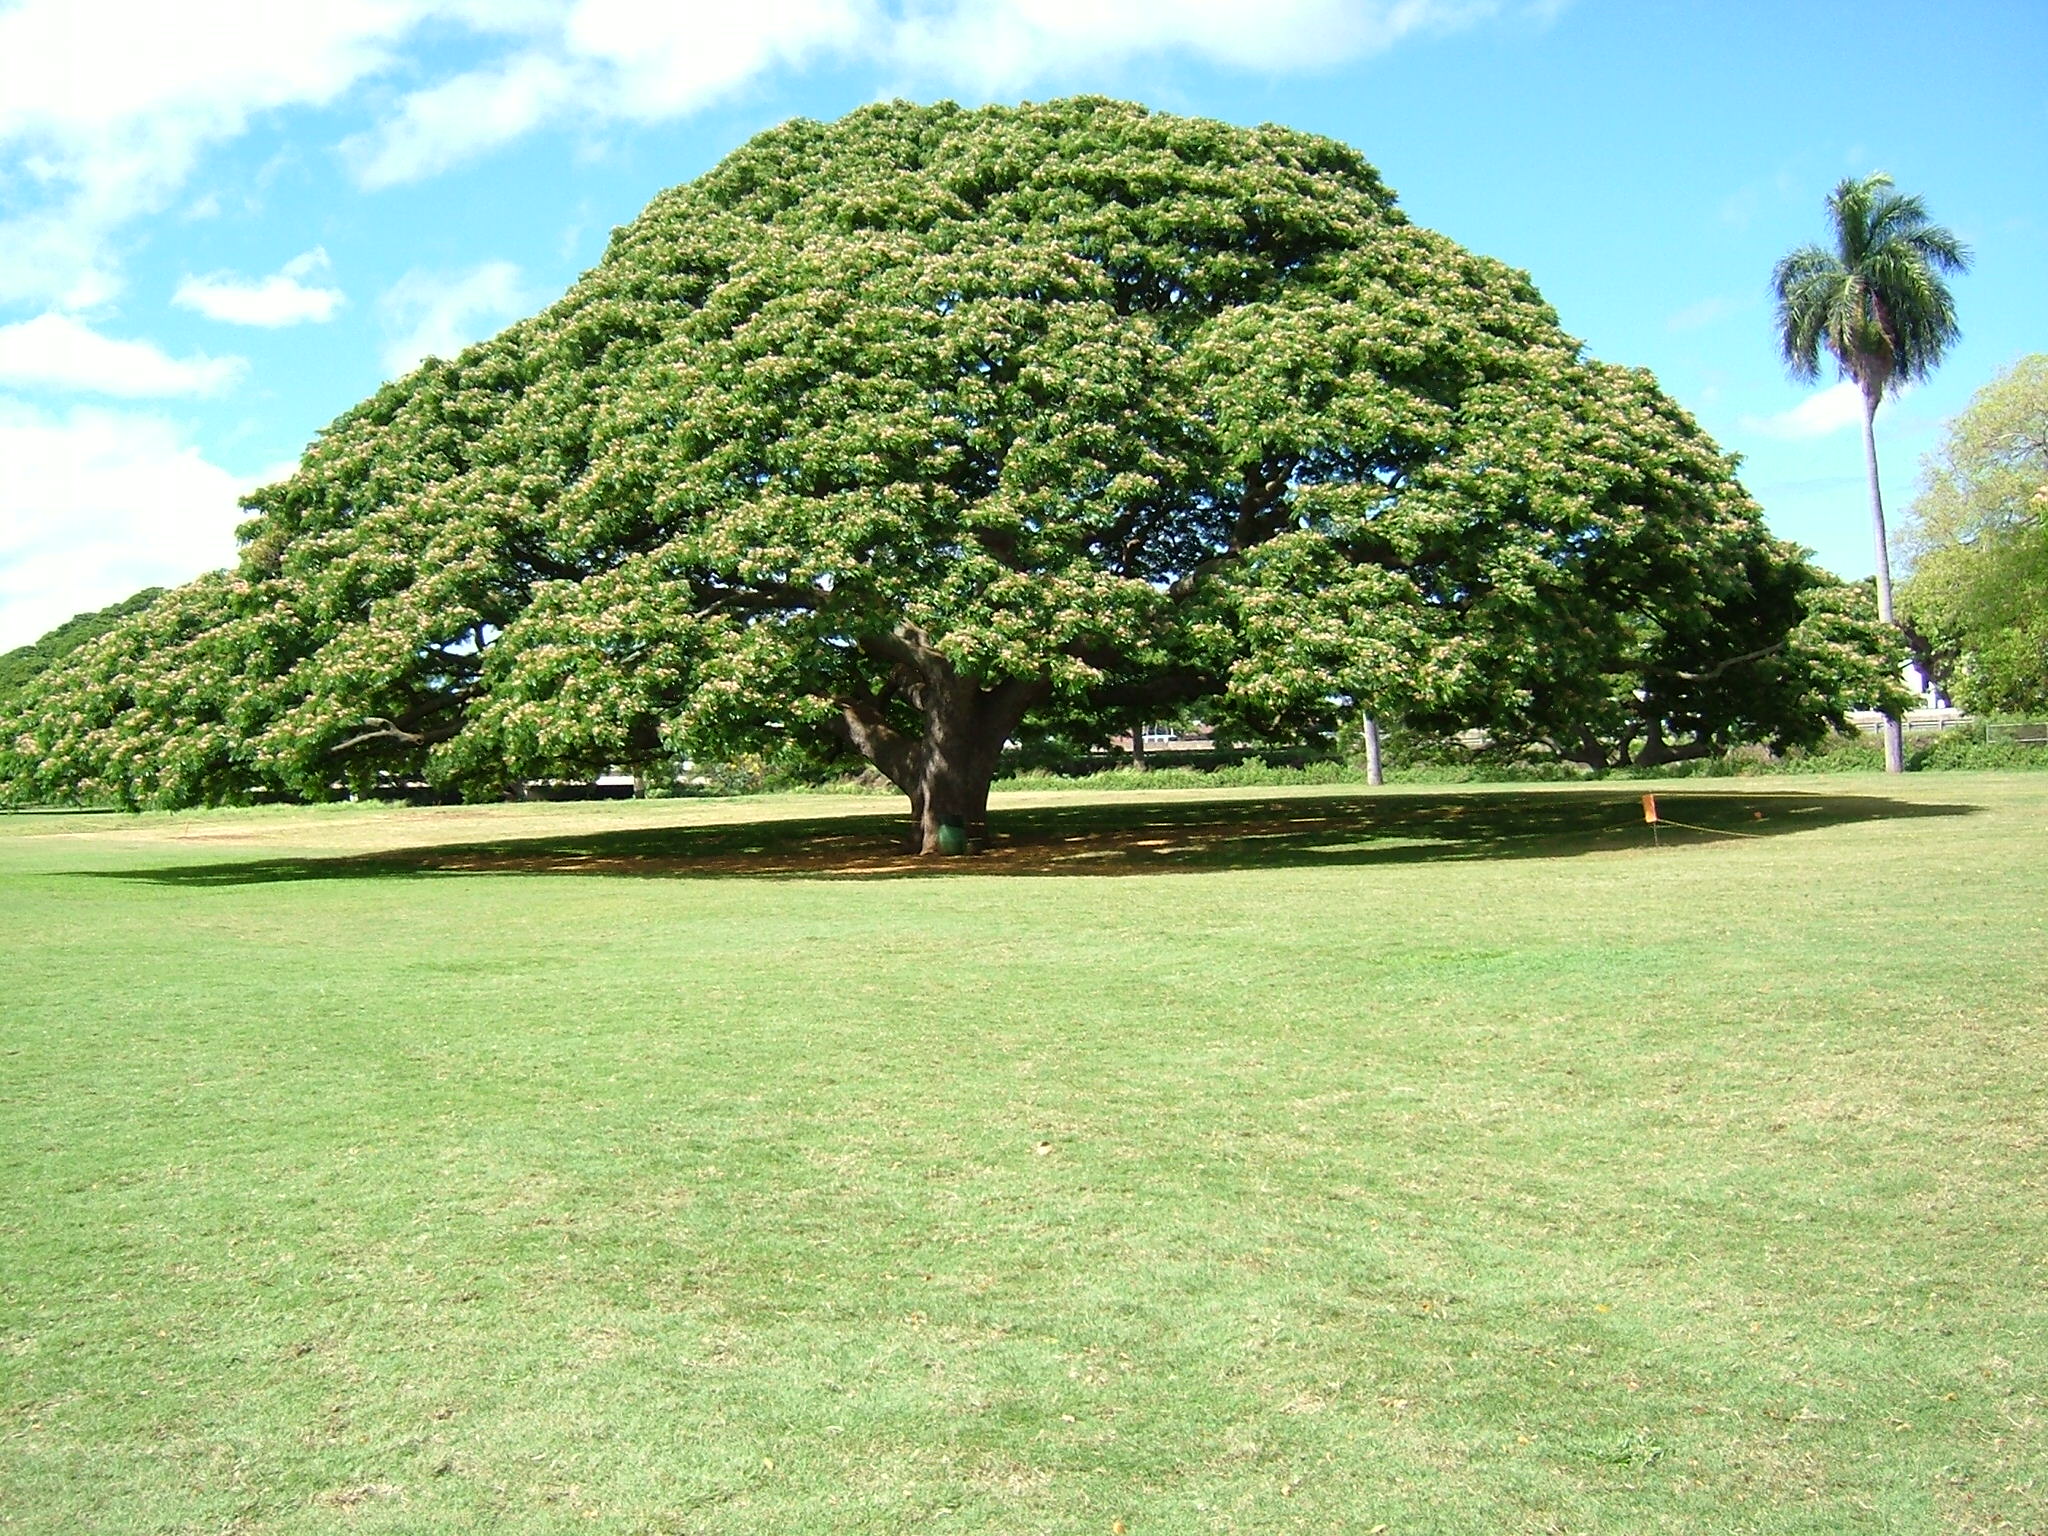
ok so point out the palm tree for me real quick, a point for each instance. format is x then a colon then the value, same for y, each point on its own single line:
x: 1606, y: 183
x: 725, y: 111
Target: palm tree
x: 1878, y: 304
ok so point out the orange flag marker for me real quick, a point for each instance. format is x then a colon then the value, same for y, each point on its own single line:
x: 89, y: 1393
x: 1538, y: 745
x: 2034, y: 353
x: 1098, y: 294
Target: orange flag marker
x: 1650, y: 809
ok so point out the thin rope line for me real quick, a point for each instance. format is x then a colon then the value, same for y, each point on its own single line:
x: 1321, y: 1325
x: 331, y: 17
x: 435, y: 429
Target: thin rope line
x: 1666, y: 821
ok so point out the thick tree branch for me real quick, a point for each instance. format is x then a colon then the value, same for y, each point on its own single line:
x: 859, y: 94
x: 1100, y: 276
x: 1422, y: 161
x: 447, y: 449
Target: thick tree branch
x: 760, y: 597
x: 387, y: 730
x: 1001, y: 544
x: 895, y: 755
x: 1733, y: 661
x: 895, y: 646
x: 1588, y: 750
x: 1185, y: 584
x: 1261, y: 515
x: 1657, y: 750
x: 1263, y: 489
x: 1005, y: 705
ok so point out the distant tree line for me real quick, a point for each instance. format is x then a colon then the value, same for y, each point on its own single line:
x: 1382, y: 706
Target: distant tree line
x: 38, y: 656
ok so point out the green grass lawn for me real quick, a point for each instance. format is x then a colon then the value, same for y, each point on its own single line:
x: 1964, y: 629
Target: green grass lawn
x: 1304, y: 1161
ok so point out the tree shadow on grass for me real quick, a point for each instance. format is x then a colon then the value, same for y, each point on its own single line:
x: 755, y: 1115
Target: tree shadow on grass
x: 1105, y: 837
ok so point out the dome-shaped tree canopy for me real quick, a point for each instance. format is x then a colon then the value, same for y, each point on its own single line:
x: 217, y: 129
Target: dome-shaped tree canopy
x: 892, y: 435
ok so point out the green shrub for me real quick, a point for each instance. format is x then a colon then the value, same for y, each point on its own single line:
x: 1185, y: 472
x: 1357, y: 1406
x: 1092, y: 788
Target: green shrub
x: 1965, y: 749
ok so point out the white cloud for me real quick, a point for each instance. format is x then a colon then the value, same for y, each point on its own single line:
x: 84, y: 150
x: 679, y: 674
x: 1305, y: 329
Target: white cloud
x: 437, y: 315
x: 203, y: 60
x: 57, y: 352
x: 997, y: 45
x: 1832, y: 410
x: 280, y: 299
x: 643, y: 61
x: 666, y: 60
x: 109, y: 105
x: 97, y: 504
x: 112, y: 104
x: 606, y: 59
x: 461, y: 118
x: 106, y: 108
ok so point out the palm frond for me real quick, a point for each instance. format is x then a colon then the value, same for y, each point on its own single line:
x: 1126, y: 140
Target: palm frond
x: 1807, y: 285
x: 1851, y: 210
x: 1892, y: 216
x: 1877, y: 302
x: 1940, y: 249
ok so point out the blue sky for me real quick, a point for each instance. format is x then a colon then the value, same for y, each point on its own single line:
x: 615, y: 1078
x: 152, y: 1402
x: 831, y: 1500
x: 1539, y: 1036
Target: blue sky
x: 224, y: 222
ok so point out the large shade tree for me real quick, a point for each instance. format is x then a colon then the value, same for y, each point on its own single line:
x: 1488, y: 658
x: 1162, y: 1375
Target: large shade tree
x: 896, y: 437
x: 1875, y: 302
x: 1978, y: 535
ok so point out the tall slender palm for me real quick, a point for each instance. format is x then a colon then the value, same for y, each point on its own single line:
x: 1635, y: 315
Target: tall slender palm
x: 1878, y: 305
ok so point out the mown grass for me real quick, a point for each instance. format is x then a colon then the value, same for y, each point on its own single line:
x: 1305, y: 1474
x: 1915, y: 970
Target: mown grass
x: 1437, y: 1160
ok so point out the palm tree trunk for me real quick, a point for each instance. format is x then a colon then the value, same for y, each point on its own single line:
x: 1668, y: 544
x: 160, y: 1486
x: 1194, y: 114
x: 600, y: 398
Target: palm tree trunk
x: 1894, y: 733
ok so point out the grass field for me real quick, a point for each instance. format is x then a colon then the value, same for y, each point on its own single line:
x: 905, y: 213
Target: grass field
x: 1304, y: 1161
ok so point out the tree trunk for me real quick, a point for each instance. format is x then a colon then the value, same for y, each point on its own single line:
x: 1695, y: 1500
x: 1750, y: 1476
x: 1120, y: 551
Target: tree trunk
x: 1373, y: 773
x: 1138, y: 747
x: 1588, y: 751
x: 1657, y: 751
x: 945, y: 772
x: 956, y: 760
x: 1894, y: 731
x: 965, y: 727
